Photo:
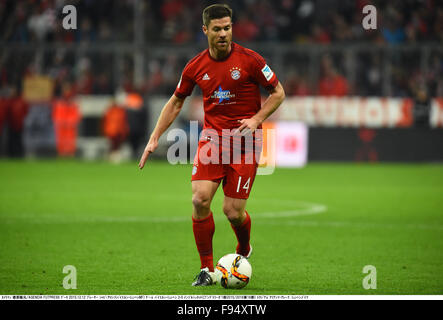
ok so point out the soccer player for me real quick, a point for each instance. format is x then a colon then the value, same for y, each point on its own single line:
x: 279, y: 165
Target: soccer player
x: 229, y: 76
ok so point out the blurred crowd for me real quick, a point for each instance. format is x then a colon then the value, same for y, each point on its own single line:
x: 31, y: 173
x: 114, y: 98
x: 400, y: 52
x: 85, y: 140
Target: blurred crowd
x: 347, y: 60
x: 179, y: 21
x: 263, y: 22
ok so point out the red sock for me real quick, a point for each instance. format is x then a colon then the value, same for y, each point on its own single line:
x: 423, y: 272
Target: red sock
x: 203, y: 232
x: 243, y: 233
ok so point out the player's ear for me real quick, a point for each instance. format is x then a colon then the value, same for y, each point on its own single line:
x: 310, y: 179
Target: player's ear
x: 205, y: 30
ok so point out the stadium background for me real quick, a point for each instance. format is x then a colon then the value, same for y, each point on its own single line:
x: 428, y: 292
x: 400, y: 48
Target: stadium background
x: 94, y: 93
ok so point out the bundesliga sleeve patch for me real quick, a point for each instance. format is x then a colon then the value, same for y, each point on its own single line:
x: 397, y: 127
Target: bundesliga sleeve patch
x: 267, y: 72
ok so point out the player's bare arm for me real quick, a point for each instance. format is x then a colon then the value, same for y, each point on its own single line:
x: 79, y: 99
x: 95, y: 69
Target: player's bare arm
x: 167, y: 116
x: 276, y: 97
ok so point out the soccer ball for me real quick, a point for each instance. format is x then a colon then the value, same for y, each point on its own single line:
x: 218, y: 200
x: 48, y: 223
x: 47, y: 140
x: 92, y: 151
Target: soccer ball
x: 233, y: 271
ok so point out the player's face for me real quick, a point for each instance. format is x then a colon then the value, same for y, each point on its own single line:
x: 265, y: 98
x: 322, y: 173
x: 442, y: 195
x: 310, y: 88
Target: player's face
x: 219, y: 33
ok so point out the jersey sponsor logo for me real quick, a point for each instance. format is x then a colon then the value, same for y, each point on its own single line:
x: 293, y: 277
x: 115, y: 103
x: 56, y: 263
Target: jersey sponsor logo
x: 221, y: 95
x: 206, y: 77
x: 235, y: 73
x: 267, y: 72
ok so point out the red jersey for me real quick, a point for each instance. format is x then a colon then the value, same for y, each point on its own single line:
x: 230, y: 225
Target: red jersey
x: 230, y: 86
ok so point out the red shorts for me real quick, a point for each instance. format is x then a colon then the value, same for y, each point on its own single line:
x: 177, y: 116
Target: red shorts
x: 237, y: 177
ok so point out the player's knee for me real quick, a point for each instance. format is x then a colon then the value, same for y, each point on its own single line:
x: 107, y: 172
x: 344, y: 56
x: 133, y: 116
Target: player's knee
x: 232, y: 213
x: 200, y: 201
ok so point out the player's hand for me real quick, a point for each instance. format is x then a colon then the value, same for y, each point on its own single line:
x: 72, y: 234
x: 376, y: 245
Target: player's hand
x: 247, y: 126
x: 150, y: 148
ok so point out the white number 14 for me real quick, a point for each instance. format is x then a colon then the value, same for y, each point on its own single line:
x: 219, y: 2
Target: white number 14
x: 245, y: 186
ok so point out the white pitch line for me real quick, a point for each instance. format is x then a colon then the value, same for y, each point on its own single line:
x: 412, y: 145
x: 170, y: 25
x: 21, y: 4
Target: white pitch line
x: 314, y: 209
x: 258, y: 218
x: 272, y: 218
x: 344, y: 224
x: 306, y: 209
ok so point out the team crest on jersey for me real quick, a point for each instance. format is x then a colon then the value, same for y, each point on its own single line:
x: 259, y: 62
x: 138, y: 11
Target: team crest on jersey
x: 235, y: 73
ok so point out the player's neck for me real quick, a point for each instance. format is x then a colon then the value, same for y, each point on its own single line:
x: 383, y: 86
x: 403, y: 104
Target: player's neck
x: 218, y: 54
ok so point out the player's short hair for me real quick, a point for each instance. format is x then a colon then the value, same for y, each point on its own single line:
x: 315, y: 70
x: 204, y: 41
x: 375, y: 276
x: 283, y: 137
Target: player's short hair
x: 216, y: 11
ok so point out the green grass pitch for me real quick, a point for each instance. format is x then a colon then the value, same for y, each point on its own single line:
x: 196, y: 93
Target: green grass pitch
x: 129, y: 231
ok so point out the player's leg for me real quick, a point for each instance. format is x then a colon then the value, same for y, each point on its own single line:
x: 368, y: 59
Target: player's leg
x: 206, y: 178
x: 202, y: 220
x: 237, y: 187
x: 234, y: 209
x: 202, y: 193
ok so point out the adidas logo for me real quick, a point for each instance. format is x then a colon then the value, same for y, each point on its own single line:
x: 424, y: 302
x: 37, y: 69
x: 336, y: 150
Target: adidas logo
x: 206, y: 77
